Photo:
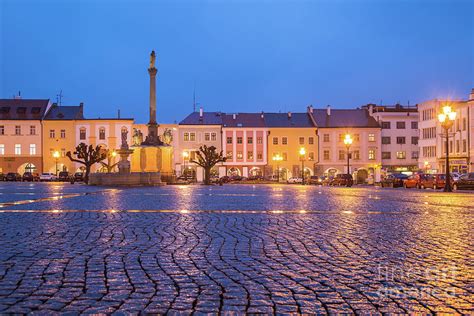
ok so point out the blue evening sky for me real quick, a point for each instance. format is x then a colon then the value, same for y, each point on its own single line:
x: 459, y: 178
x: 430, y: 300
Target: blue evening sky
x: 241, y: 55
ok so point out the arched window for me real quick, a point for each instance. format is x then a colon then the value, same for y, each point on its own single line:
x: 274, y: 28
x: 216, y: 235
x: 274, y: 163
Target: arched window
x: 102, y: 133
x: 82, y: 133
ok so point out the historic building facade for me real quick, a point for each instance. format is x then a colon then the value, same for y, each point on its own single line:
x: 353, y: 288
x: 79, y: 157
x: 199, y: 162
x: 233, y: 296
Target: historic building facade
x: 21, y: 134
x: 399, y: 136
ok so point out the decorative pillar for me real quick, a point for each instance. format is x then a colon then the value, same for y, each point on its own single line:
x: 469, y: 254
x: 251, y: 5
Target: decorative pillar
x: 152, y: 125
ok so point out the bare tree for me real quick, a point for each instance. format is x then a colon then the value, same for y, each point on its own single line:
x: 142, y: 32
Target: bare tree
x: 110, y: 164
x: 88, y: 156
x: 208, y: 157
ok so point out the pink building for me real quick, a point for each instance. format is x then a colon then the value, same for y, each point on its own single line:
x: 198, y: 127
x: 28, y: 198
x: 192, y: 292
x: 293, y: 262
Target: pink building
x: 244, y: 143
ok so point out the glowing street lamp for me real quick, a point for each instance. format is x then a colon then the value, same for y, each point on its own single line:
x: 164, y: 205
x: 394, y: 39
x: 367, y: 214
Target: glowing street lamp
x: 278, y: 158
x: 185, y: 157
x: 56, y: 157
x: 447, y: 120
x: 426, y: 163
x: 302, y: 156
x: 348, y: 142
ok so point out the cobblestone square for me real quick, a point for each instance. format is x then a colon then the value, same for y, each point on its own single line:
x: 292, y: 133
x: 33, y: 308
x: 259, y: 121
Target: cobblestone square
x: 235, y: 249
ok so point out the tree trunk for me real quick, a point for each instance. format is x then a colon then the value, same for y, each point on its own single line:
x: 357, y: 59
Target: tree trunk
x: 86, y: 175
x: 207, y: 176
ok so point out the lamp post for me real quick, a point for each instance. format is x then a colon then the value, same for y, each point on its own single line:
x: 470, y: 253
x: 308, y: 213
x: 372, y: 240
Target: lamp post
x: 447, y: 120
x: 302, y: 154
x: 426, y: 166
x: 348, y: 143
x: 278, y: 158
x: 185, y: 157
x: 56, y: 157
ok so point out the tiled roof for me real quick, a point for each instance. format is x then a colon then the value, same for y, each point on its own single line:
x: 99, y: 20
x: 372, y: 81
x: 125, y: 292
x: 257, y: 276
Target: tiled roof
x: 288, y: 120
x: 344, y: 118
x: 243, y: 120
x: 22, y: 109
x: 208, y: 118
x: 65, y: 113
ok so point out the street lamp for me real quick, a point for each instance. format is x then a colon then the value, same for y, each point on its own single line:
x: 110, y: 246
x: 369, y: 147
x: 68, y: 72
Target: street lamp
x: 56, y: 157
x: 348, y: 143
x: 302, y: 154
x: 185, y: 157
x: 426, y: 166
x: 447, y: 120
x: 278, y: 158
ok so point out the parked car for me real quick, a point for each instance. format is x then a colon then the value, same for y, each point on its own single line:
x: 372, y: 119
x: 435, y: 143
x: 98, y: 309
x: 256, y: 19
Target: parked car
x: 30, y: 176
x: 411, y: 181
x: 456, y: 175
x: 466, y: 181
x: 342, y: 179
x: 326, y: 180
x: 394, y: 180
x: 315, y: 180
x: 13, y: 176
x: 2, y: 176
x: 224, y: 179
x: 426, y: 181
x: 294, y: 180
x: 236, y: 178
x: 79, y: 176
x: 64, y: 176
x: 255, y: 178
x: 440, y: 181
x: 48, y: 176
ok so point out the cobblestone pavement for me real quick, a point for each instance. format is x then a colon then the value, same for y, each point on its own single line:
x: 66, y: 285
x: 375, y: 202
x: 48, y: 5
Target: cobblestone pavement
x: 255, y: 249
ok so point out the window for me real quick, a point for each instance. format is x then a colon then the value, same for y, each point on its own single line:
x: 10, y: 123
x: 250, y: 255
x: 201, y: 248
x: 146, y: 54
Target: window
x: 371, y: 154
x: 240, y: 155
x: 284, y: 141
x: 371, y: 137
x: 63, y: 133
x: 207, y: 137
x: 450, y: 146
x: 284, y: 156
x: 17, y: 149
x: 229, y: 155
x: 213, y: 136
x: 386, y: 125
x: 52, y: 133
x: 342, y: 154
x: 386, y: 140
x: 311, y: 140
x: 429, y: 151
x: 239, y: 140
x: 17, y: 130
x: 301, y: 140
x: 458, y: 147
x: 464, y: 146
x: 186, y: 137
x: 32, y: 149
x: 275, y: 140
x: 464, y: 124
x: 229, y: 140
x: 326, y: 138
x: 414, y: 155
x: 82, y: 134
x: 414, y: 140
x: 386, y: 155
x: 249, y: 140
x: 400, y: 125
x: 356, y: 137
x: 355, y: 155
x: 311, y: 156
x: 32, y: 129
x: 259, y: 156
x: 429, y: 132
x: 401, y: 140
x: 192, y: 137
x: 326, y: 154
x: 102, y: 133
x: 2, y: 149
x: 2, y: 130
x: 414, y: 125
x: 259, y: 140
x: 250, y: 155
x: 340, y: 138
x: 401, y: 155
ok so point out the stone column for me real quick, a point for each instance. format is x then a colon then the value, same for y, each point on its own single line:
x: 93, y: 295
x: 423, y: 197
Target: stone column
x: 152, y: 126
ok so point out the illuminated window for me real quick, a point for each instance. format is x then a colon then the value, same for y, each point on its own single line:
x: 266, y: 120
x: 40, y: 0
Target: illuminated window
x: 371, y: 137
x: 229, y: 155
x: 250, y: 155
x: 311, y: 156
x: 2, y: 149
x: 371, y: 154
x: 240, y: 155
x: 326, y: 155
x: 207, y: 137
x: 213, y: 136
x: 259, y: 156
x: 355, y: 155
x: 401, y: 155
x: 186, y: 137
x: 17, y: 149
x: 192, y: 137
x: 32, y: 149
x: 260, y: 140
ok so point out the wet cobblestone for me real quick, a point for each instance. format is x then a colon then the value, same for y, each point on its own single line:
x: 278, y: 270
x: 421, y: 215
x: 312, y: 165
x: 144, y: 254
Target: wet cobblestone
x: 393, y: 255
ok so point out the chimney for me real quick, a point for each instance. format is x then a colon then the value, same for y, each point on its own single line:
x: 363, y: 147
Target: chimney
x: 289, y: 115
x: 81, y: 108
x: 118, y: 113
x: 310, y: 109
x: 200, y: 112
x: 328, y: 110
x: 262, y: 115
x: 471, y: 96
x: 234, y: 116
x: 18, y: 97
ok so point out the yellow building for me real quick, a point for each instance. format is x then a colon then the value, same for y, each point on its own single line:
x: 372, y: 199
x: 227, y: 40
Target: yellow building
x: 64, y: 127
x: 288, y: 133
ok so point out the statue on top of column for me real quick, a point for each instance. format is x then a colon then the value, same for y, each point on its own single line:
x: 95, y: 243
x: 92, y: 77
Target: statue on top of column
x: 152, y: 59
